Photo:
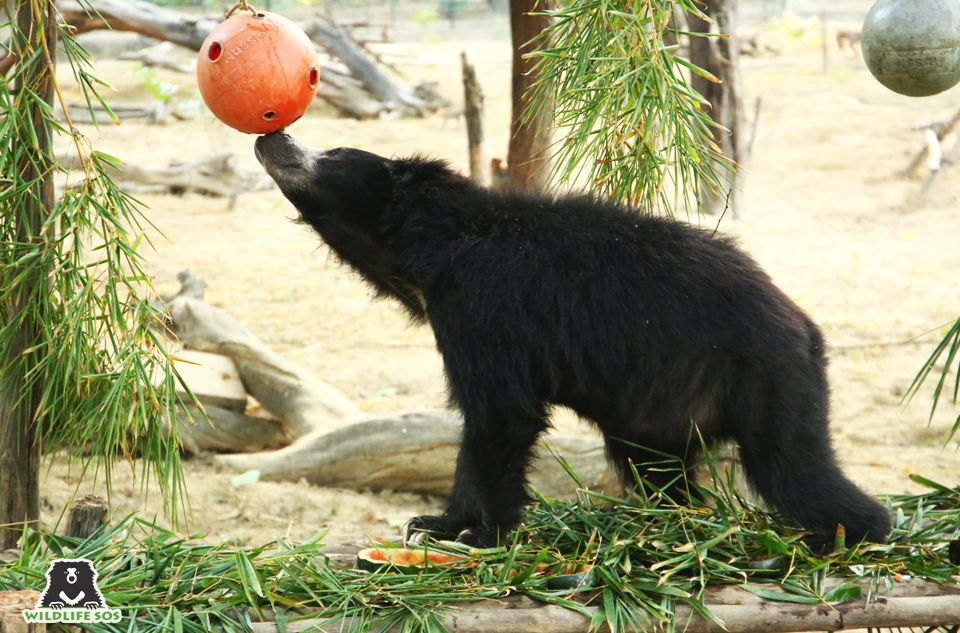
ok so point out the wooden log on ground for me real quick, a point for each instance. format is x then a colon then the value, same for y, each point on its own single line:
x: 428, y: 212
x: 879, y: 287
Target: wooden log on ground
x: 212, y: 378
x: 299, y: 401
x: 473, y: 113
x: 12, y: 606
x: 155, y: 113
x: 87, y: 515
x: 160, y: 56
x: 227, y: 431
x: 936, y: 606
x: 414, y: 452
x: 215, y: 176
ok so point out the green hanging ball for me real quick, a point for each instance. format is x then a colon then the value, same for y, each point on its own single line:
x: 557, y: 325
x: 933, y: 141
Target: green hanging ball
x: 913, y: 46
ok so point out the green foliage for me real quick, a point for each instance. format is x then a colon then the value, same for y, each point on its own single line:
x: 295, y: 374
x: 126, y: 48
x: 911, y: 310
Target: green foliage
x: 642, y: 559
x: 107, y: 388
x: 947, y: 351
x: 156, y: 87
x: 631, y: 123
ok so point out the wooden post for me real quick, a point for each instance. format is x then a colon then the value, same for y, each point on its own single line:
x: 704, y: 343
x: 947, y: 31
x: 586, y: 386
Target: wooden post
x: 19, y: 439
x: 721, y: 57
x: 824, y: 50
x: 86, y: 516
x: 473, y: 113
x: 530, y: 141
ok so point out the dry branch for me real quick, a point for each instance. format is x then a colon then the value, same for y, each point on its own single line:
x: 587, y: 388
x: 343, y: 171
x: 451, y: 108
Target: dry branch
x: 338, y: 42
x: 942, y: 129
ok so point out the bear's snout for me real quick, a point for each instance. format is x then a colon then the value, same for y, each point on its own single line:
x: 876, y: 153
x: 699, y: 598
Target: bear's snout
x: 279, y: 150
x: 71, y: 575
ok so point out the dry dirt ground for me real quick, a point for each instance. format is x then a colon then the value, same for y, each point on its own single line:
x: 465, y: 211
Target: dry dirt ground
x: 825, y: 213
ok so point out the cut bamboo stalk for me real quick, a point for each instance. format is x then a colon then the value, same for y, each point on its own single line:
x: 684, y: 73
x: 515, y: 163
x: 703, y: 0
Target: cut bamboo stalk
x: 915, y: 603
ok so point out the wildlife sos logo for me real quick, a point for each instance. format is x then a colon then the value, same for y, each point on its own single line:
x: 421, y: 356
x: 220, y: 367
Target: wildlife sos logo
x: 72, y: 595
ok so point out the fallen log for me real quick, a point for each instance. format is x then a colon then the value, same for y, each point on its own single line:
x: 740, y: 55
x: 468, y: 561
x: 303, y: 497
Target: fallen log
x: 739, y: 610
x: 215, y: 176
x: 339, y: 43
x: 414, y: 452
x: 159, y: 56
x: 298, y: 401
x: 155, y: 113
x: 226, y: 431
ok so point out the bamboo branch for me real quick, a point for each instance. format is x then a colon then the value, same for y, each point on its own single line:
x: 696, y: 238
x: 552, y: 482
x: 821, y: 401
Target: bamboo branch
x: 908, y: 604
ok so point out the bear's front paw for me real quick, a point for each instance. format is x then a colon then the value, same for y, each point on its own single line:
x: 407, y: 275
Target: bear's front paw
x: 482, y: 536
x: 56, y: 605
x: 439, y: 526
x: 92, y: 605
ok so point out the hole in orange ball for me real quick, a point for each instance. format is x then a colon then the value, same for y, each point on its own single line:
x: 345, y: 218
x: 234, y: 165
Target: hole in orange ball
x: 269, y: 115
x: 259, y: 14
x: 214, y: 52
x: 314, y: 77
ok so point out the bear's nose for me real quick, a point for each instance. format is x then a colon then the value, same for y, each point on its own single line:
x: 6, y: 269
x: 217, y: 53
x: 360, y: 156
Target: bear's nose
x: 271, y: 145
x: 71, y: 575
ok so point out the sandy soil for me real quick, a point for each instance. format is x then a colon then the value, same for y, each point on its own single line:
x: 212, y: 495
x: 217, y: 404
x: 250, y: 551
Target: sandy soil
x: 825, y: 213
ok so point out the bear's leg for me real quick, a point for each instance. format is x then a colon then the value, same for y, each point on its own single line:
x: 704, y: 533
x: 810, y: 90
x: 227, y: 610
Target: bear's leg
x: 781, y: 426
x: 661, y: 468
x: 489, y: 491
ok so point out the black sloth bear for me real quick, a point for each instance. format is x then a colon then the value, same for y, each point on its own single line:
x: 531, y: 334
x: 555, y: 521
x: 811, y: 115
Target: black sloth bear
x: 72, y: 584
x: 646, y: 326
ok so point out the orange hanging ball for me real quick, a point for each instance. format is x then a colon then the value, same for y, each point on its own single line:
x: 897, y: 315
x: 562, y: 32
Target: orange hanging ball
x: 257, y: 72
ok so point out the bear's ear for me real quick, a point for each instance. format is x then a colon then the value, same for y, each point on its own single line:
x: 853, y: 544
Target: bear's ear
x: 419, y: 169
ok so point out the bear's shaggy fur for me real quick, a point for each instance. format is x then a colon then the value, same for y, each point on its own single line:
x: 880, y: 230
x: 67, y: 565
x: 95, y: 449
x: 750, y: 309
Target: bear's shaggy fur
x: 652, y: 329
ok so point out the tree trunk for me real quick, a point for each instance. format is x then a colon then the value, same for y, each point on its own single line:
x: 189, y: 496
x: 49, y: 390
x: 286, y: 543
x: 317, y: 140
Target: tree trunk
x: 721, y: 57
x: 527, y: 159
x: 19, y: 440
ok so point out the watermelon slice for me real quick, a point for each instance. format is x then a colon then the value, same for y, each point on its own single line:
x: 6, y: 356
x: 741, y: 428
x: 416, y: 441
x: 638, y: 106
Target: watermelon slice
x: 407, y: 561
